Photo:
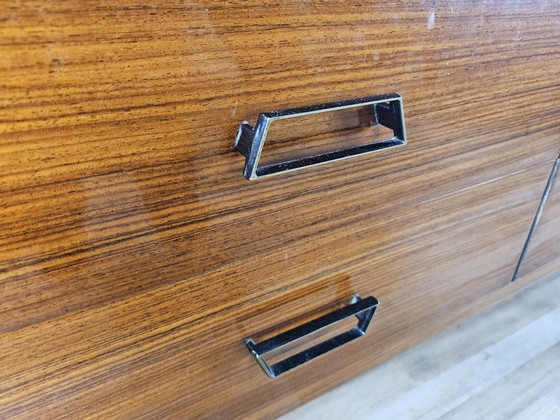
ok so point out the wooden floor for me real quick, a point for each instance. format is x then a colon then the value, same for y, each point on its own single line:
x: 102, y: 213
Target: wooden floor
x: 501, y: 364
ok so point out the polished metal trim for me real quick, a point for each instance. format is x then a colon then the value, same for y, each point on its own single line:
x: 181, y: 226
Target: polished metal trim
x: 363, y: 309
x: 388, y: 111
x: 537, y: 219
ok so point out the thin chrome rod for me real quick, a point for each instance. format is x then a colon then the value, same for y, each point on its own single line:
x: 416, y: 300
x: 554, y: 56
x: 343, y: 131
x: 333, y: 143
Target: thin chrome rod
x: 536, y: 220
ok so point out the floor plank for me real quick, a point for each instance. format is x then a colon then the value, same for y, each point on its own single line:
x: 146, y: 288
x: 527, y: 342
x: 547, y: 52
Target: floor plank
x: 529, y: 392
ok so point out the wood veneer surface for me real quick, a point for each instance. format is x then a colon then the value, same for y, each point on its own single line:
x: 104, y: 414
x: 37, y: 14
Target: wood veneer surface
x: 124, y: 213
x: 166, y: 353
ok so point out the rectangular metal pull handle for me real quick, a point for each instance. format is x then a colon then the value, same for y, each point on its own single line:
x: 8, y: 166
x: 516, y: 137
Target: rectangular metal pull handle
x: 387, y: 111
x: 363, y: 309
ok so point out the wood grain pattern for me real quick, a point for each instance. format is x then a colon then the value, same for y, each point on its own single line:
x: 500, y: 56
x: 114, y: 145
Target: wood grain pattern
x: 139, y: 166
x: 127, y: 228
x: 178, y: 350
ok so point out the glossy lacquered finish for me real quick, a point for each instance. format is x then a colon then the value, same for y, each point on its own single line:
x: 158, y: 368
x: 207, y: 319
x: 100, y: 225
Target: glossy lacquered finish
x: 134, y: 257
x: 179, y: 351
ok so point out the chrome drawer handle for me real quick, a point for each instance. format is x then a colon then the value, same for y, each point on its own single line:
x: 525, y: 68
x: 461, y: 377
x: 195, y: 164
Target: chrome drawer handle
x: 363, y: 309
x: 387, y: 111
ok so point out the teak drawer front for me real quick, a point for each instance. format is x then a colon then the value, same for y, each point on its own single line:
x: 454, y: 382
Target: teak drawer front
x: 118, y: 122
x: 178, y: 351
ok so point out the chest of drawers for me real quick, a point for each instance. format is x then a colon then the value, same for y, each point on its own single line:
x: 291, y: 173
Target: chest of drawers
x: 136, y: 259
